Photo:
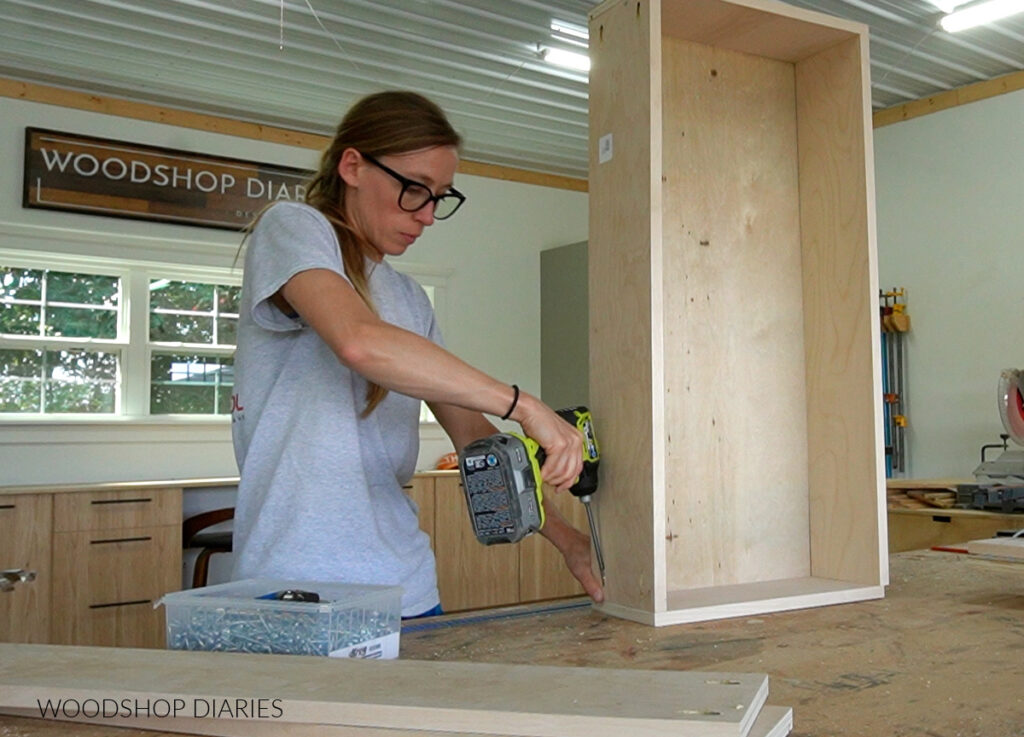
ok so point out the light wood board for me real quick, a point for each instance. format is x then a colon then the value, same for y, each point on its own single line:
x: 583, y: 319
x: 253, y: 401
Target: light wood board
x: 773, y: 30
x: 772, y: 721
x: 1002, y: 547
x: 536, y: 701
x: 625, y: 334
x: 736, y: 465
x: 840, y: 315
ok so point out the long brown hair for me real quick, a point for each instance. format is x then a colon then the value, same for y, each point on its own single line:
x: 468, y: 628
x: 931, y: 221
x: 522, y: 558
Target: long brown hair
x: 381, y: 124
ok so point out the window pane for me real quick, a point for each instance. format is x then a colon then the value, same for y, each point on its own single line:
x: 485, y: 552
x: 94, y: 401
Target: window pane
x: 19, y: 395
x: 227, y: 330
x: 73, y: 396
x: 85, y: 289
x: 178, y: 295
x: 183, y: 400
x: 227, y: 298
x: 21, y: 363
x: 21, y: 283
x: 191, y: 384
x: 19, y: 319
x: 81, y: 366
x: 80, y: 381
x: 75, y: 381
x: 183, y: 328
x: 73, y: 322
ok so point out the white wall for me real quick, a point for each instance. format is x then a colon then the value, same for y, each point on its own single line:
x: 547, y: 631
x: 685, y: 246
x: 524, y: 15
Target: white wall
x: 951, y: 230
x: 488, y: 256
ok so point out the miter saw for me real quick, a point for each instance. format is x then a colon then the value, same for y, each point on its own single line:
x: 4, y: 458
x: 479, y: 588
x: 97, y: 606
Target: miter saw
x: 1009, y: 466
x: 1001, y: 481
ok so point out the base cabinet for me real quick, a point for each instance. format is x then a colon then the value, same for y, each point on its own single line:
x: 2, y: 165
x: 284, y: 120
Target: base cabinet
x: 102, y: 560
x: 25, y: 530
x: 474, y: 576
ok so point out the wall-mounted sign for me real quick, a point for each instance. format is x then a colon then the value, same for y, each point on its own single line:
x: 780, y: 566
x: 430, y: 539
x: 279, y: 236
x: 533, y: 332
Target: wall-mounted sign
x: 65, y: 171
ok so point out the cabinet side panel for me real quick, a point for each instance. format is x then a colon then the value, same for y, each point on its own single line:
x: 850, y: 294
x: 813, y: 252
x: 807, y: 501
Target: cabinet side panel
x: 840, y: 316
x: 622, y: 359
x: 736, y: 471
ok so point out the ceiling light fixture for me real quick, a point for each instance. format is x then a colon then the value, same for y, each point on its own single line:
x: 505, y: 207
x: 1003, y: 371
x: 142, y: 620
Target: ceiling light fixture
x: 980, y: 14
x: 948, y: 6
x: 570, y: 32
x: 567, y: 59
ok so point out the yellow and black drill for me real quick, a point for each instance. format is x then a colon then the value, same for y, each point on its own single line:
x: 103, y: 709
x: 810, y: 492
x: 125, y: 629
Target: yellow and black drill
x: 502, y: 482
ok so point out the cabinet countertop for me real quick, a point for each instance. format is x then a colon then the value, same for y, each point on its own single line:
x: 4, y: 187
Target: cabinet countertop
x: 120, y: 485
x: 192, y: 483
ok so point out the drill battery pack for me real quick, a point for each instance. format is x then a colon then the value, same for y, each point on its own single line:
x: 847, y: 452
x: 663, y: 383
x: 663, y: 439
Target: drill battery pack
x: 502, y: 482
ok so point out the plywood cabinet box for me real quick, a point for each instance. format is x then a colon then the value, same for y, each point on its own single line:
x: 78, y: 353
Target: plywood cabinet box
x: 733, y: 329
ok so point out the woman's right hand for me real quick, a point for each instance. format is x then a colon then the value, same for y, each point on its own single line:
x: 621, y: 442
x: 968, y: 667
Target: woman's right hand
x: 562, y: 443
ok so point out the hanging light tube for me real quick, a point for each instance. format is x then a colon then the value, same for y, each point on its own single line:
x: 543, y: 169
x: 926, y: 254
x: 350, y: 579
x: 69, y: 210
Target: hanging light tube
x: 568, y: 59
x: 980, y: 14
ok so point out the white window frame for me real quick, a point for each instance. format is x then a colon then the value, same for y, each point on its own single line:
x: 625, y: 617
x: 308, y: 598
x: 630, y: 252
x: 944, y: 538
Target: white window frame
x: 134, y: 376
x: 135, y: 373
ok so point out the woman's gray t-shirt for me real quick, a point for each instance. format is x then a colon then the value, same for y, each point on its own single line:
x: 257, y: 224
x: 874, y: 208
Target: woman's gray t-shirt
x: 320, y: 497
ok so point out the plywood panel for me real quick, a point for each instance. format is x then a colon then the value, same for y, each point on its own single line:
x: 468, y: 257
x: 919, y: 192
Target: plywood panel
x: 25, y: 524
x: 772, y: 721
x: 625, y: 335
x: 542, y: 701
x: 736, y: 469
x: 760, y: 27
x: 470, y: 575
x: 840, y: 315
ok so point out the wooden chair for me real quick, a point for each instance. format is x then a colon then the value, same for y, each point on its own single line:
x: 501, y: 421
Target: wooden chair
x: 209, y: 542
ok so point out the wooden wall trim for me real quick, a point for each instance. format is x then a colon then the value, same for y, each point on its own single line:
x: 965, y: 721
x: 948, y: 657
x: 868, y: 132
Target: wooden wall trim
x: 953, y: 98
x: 107, y: 105
x: 78, y: 100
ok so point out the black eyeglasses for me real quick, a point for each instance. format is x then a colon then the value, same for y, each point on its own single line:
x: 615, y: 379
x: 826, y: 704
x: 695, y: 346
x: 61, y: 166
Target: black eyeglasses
x: 415, y: 196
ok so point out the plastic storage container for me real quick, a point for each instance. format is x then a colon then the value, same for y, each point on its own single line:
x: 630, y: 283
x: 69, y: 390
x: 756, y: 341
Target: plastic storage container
x: 349, y: 620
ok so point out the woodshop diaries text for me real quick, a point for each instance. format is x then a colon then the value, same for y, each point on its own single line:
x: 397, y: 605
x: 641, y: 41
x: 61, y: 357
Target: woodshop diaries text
x: 196, y: 708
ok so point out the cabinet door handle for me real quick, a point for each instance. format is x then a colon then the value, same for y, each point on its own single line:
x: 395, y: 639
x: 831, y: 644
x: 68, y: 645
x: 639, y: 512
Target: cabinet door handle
x: 8, y: 506
x: 142, y: 500
x: 121, y: 540
x: 121, y: 603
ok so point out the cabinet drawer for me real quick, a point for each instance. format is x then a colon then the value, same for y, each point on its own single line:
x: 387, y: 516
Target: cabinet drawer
x: 111, y: 510
x: 126, y: 625
x: 103, y: 577
x: 25, y: 543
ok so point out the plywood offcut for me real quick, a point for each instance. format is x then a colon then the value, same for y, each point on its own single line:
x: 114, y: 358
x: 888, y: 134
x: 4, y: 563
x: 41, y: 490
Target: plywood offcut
x: 531, y: 701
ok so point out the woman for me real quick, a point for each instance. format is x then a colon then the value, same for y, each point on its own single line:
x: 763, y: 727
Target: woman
x: 335, y: 352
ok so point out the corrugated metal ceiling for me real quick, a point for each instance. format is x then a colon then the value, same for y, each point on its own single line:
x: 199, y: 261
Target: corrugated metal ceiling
x: 299, y: 63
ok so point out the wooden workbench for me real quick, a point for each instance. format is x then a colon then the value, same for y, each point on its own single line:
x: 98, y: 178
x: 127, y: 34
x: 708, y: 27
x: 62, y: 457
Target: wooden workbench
x: 939, y: 656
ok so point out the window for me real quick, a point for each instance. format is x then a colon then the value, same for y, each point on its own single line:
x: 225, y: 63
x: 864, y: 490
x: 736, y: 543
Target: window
x: 59, y: 351
x: 192, y: 329
x: 71, y: 344
x: 102, y: 338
